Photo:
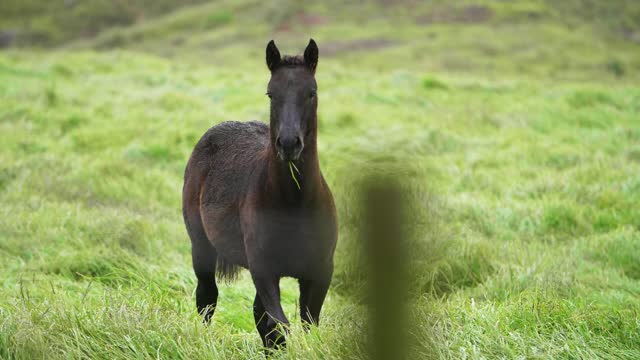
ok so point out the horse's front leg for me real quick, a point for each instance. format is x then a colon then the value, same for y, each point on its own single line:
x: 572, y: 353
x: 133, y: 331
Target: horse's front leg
x: 267, y: 310
x: 312, y: 294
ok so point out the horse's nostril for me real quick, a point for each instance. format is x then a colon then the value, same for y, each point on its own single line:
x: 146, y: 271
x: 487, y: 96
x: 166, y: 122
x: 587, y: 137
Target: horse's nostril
x: 289, y: 146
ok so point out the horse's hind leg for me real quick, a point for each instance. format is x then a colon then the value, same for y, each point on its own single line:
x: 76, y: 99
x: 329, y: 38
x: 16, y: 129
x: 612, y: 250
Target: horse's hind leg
x: 204, y: 256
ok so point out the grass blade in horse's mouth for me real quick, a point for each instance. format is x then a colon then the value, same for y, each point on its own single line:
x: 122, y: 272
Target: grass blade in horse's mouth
x: 291, y: 167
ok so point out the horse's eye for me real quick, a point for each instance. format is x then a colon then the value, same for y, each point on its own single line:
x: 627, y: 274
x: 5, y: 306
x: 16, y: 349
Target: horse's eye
x: 312, y: 94
x: 268, y: 94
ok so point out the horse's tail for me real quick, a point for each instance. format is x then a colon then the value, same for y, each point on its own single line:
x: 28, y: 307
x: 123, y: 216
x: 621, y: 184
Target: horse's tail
x: 225, y: 270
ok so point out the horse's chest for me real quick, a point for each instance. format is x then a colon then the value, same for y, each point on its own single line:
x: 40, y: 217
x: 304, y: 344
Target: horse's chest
x: 296, y: 244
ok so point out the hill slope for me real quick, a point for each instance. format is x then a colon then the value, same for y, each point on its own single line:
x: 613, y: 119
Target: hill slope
x: 577, y: 39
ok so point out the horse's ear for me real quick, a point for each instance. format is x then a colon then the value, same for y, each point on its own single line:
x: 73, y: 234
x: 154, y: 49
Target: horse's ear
x: 311, y: 55
x: 273, y: 56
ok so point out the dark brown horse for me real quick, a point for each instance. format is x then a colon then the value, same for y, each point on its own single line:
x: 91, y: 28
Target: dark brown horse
x: 254, y: 197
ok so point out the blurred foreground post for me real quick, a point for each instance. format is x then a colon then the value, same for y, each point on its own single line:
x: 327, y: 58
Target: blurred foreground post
x: 384, y: 237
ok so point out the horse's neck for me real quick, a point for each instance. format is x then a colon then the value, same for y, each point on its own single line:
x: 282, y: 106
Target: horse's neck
x: 296, y: 182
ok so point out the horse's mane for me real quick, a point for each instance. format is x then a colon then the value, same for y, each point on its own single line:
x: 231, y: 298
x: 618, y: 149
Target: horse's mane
x: 292, y: 61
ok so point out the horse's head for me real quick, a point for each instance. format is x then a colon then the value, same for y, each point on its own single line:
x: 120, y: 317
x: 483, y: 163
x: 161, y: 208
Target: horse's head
x: 294, y: 101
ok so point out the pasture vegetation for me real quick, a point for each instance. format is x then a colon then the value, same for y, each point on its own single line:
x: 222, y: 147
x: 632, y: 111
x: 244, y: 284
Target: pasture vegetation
x: 515, y: 126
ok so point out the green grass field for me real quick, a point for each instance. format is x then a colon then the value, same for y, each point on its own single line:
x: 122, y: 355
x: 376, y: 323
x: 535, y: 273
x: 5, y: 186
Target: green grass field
x: 515, y: 126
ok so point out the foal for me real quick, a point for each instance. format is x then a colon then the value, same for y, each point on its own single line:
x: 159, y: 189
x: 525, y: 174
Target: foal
x: 254, y: 197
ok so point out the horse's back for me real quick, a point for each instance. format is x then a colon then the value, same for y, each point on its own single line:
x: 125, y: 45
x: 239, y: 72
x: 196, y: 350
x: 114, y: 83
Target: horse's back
x: 216, y: 180
x: 230, y: 152
x: 231, y: 137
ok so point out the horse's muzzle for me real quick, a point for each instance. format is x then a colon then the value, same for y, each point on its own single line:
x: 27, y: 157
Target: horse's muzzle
x: 289, y: 148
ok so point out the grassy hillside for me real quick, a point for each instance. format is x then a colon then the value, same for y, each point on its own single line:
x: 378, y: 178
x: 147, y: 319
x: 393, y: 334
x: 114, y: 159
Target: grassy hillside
x: 51, y: 23
x: 515, y: 126
x: 577, y: 40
